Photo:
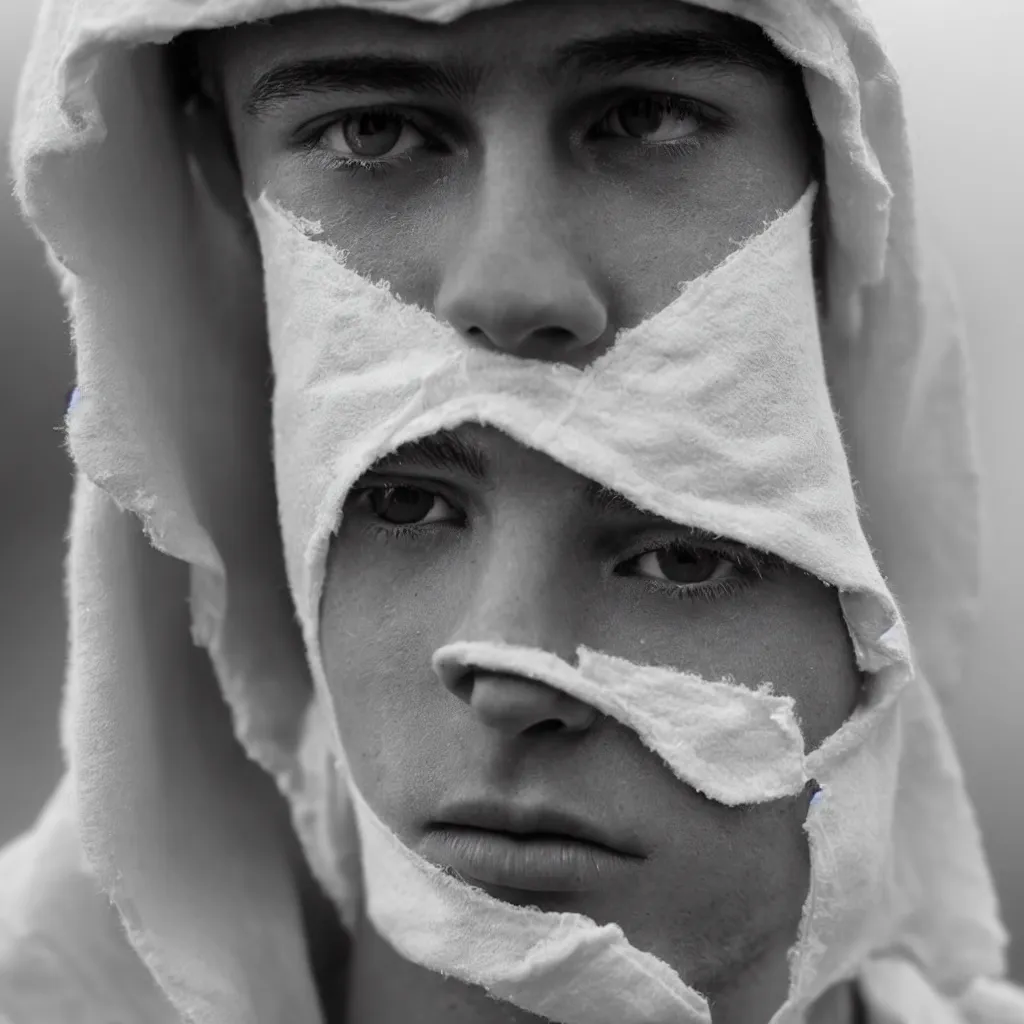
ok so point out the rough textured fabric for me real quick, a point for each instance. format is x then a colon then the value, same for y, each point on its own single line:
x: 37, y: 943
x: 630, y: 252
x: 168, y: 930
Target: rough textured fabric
x: 714, y: 412
x: 172, y: 435
x: 735, y: 745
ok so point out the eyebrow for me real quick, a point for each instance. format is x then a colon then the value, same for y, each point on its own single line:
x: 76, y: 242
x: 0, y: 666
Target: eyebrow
x: 360, y: 73
x: 444, y: 450
x: 742, y: 44
x: 458, y: 79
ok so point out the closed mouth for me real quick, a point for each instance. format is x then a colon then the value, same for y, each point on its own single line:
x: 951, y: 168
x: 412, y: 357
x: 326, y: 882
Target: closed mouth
x: 531, y: 849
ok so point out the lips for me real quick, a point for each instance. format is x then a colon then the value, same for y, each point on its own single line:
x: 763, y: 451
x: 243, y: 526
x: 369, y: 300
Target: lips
x: 530, y: 821
x: 537, y: 849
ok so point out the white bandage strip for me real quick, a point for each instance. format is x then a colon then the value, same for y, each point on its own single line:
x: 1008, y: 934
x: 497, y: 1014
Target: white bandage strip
x: 714, y: 412
x: 733, y: 744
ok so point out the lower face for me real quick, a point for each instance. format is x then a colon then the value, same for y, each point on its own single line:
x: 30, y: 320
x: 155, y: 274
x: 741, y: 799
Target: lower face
x: 541, y: 212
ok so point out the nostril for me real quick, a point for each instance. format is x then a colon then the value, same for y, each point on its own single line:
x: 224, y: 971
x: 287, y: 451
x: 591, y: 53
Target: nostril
x: 547, y: 726
x: 530, y: 344
x: 555, y: 335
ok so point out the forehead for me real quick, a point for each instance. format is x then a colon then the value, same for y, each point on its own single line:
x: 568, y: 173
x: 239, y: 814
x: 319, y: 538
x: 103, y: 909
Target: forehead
x: 524, y: 34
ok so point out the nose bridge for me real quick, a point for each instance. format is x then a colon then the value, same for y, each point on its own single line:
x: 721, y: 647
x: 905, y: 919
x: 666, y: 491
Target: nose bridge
x: 520, y: 601
x: 521, y: 591
x: 514, y: 279
x: 518, y: 214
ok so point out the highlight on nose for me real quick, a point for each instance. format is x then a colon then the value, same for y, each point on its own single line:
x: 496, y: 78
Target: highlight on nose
x: 514, y: 705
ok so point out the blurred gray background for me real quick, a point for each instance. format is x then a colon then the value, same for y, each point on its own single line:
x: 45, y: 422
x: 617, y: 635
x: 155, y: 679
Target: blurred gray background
x: 960, y: 61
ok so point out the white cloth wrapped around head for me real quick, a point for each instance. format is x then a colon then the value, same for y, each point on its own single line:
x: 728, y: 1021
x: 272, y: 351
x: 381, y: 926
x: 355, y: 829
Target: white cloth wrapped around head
x: 717, y: 413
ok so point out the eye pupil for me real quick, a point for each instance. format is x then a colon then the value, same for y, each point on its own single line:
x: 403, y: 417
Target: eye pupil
x: 642, y: 116
x: 372, y: 133
x: 686, y: 565
x: 401, y: 504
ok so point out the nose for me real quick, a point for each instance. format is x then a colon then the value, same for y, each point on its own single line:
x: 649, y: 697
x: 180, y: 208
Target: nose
x: 516, y: 284
x: 515, y: 706
x: 522, y: 593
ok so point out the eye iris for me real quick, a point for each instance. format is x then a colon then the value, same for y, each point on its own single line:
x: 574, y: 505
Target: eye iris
x: 401, y: 504
x: 685, y: 565
x: 642, y: 116
x: 372, y: 133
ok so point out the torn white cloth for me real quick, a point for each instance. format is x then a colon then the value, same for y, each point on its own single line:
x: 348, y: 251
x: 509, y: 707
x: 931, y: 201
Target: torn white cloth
x: 562, y: 967
x: 734, y: 745
x: 173, y: 427
x: 713, y: 412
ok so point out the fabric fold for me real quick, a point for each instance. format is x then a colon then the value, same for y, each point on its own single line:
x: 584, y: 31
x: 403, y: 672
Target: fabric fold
x: 199, y: 776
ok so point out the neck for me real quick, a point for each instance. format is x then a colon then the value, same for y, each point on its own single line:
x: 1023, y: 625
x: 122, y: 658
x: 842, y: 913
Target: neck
x: 384, y: 988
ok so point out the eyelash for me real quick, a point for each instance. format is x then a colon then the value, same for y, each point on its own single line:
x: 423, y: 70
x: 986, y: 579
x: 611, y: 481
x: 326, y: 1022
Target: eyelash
x: 749, y: 565
x: 354, y: 166
x: 711, y: 590
x: 708, y: 123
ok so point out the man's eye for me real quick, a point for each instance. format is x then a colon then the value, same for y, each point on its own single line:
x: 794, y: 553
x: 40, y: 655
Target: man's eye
x: 370, y: 135
x: 652, y: 119
x: 680, y: 564
x: 404, y: 505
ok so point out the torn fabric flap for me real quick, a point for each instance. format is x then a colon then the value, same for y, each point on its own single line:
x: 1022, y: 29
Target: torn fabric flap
x: 733, y: 744
x: 564, y: 967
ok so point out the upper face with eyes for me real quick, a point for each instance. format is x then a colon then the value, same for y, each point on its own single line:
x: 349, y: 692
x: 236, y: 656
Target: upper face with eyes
x: 539, y: 175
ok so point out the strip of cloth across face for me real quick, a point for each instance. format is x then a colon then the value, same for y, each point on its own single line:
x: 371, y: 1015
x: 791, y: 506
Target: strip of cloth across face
x: 376, y: 666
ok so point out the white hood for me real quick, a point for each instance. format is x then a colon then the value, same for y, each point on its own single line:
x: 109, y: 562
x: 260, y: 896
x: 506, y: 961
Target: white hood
x: 166, y: 303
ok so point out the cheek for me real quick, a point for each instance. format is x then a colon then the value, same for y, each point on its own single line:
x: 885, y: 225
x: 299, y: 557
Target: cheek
x: 809, y: 655
x: 723, y: 885
x: 389, y: 234
x: 754, y: 867
x: 787, y: 630
x: 682, y: 225
x: 381, y: 621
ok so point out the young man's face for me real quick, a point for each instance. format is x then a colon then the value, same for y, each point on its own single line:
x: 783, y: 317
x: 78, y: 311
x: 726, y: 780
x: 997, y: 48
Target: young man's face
x: 543, y: 176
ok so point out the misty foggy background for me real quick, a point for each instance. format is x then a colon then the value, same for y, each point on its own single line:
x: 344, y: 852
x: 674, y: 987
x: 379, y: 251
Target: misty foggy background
x: 964, y: 77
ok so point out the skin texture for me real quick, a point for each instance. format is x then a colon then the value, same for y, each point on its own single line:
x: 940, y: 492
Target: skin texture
x: 540, y: 216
